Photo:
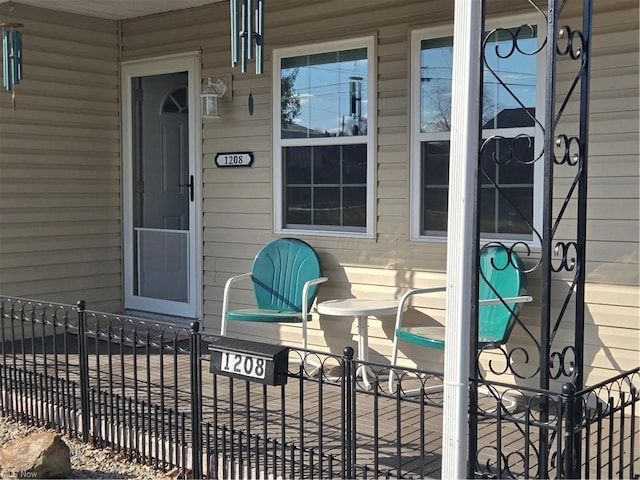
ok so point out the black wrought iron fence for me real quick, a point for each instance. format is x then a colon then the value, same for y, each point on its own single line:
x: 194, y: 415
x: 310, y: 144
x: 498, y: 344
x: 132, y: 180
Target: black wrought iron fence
x: 146, y: 389
x: 593, y: 433
x: 110, y: 380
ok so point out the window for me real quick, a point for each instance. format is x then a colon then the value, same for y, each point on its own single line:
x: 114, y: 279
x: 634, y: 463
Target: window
x: 511, y: 134
x: 324, y: 132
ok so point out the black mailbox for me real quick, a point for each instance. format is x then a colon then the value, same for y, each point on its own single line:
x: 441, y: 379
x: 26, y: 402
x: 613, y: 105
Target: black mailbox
x: 257, y: 362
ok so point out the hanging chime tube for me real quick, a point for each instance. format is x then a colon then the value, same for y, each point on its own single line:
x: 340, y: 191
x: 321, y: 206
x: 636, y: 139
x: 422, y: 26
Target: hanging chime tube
x: 234, y: 32
x: 249, y: 31
x: 16, y: 52
x: 260, y: 39
x: 6, y: 59
x: 243, y: 36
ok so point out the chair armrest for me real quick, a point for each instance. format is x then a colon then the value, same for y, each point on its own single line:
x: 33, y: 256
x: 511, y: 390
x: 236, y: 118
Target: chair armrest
x: 403, y: 300
x: 402, y: 306
x: 497, y: 301
x: 225, y: 298
x: 305, y: 307
x: 234, y: 279
x: 305, y: 294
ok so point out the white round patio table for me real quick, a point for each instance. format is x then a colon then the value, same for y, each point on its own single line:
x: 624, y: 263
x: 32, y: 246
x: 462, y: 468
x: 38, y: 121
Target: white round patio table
x: 361, y: 309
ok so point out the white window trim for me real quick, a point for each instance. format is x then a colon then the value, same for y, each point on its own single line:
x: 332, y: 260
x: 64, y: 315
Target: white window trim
x: 372, y: 112
x: 414, y: 87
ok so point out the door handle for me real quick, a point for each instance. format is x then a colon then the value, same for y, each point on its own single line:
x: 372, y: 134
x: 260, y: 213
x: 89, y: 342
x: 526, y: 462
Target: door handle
x: 190, y: 185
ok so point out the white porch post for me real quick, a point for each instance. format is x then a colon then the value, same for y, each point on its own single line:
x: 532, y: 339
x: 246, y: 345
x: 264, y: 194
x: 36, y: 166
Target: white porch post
x: 465, y: 112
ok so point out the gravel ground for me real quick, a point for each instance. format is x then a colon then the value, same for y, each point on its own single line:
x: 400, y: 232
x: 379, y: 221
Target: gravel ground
x: 89, y: 462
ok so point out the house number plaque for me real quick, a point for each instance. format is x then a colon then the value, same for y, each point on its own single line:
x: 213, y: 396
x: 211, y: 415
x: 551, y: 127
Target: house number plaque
x: 234, y: 159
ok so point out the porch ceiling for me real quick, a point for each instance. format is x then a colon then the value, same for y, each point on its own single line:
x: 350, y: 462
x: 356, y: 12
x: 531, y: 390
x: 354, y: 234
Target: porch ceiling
x: 114, y: 9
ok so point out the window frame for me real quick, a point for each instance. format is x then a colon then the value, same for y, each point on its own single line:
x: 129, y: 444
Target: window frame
x: 368, y: 42
x: 417, y: 137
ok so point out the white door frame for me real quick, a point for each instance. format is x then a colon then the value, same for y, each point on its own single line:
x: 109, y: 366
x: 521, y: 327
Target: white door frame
x: 189, y: 62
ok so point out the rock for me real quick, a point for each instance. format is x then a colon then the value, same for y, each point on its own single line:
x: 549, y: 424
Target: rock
x: 42, y: 454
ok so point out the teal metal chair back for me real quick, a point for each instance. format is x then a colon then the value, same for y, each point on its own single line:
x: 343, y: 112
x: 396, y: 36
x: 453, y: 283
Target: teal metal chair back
x: 501, y: 276
x: 279, y: 272
x: 286, y: 275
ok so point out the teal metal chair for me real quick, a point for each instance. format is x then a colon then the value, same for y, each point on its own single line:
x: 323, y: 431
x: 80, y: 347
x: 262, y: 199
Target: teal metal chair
x: 503, y: 285
x: 286, y: 274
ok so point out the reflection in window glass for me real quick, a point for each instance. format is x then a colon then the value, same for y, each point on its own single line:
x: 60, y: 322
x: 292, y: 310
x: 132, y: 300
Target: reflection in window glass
x: 509, y: 79
x: 507, y: 82
x: 324, y: 95
x: 509, y: 100
x: 435, y: 85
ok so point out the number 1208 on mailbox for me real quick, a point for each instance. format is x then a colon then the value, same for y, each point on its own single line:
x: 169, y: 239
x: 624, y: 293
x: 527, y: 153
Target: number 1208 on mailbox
x: 241, y: 364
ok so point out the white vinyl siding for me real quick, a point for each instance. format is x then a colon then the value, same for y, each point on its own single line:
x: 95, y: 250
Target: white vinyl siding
x: 60, y: 235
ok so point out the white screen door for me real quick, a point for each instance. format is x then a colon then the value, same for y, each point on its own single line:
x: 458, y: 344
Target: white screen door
x: 160, y: 218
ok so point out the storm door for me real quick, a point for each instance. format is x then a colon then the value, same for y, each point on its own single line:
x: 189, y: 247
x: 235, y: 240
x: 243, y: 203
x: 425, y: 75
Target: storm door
x: 159, y: 144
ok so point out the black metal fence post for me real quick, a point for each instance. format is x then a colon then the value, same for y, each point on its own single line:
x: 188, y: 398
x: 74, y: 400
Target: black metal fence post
x: 570, y: 462
x: 196, y: 395
x: 83, y: 362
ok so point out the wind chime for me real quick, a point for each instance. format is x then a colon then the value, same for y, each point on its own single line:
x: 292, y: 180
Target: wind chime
x: 11, y: 56
x: 247, y: 29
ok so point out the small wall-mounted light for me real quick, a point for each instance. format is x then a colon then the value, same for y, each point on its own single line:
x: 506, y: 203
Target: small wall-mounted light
x: 211, y: 92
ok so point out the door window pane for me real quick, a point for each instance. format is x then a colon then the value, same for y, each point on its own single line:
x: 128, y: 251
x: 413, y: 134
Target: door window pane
x: 160, y: 136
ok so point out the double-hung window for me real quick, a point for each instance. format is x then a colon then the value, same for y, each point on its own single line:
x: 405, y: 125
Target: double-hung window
x: 323, y: 138
x: 511, y: 143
